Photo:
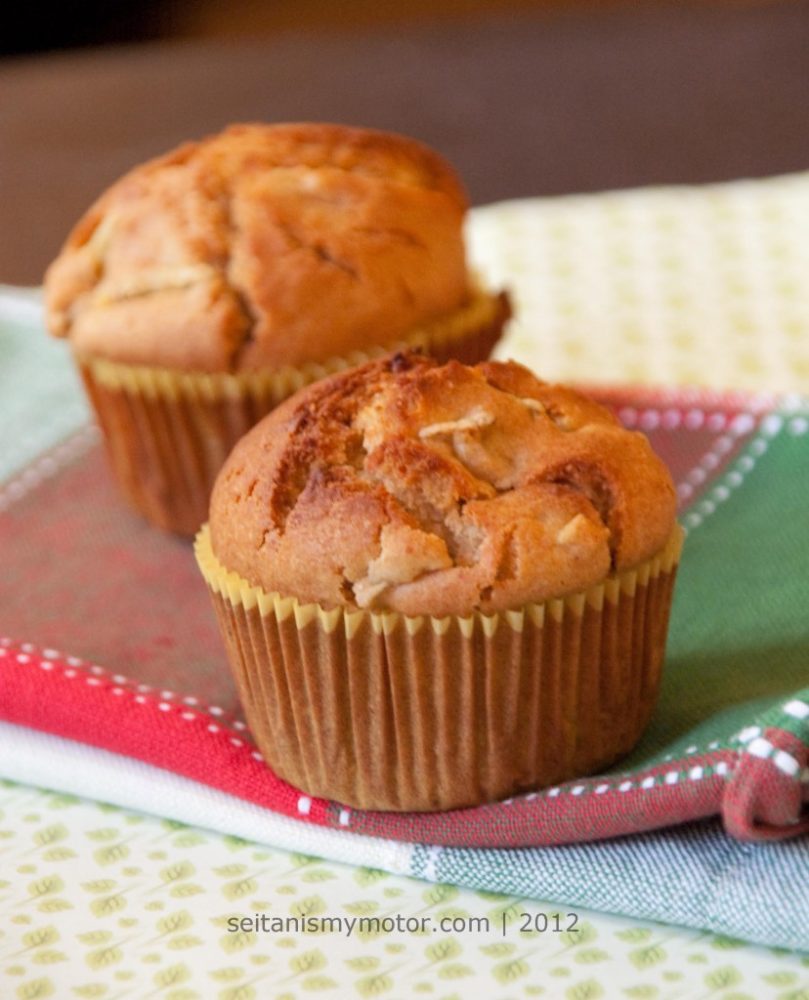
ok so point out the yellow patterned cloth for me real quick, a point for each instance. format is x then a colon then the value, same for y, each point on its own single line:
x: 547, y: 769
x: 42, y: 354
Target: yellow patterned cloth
x: 687, y: 286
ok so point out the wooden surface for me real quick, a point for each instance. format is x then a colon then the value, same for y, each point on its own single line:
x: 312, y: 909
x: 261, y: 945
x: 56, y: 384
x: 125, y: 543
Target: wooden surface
x: 523, y: 104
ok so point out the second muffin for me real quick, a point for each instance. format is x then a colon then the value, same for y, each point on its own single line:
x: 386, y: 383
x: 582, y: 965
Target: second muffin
x: 209, y: 284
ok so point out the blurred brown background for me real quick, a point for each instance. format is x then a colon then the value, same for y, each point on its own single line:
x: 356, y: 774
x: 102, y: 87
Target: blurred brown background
x: 526, y: 97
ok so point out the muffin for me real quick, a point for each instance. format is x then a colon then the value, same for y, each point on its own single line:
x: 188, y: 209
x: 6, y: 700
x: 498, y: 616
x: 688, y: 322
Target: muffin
x: 207, y: 285
x: 440, y: 585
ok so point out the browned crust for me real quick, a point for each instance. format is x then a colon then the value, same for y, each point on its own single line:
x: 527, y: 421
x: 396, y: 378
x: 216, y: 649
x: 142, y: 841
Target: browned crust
x: 264, y: 245
x: 428, y: 489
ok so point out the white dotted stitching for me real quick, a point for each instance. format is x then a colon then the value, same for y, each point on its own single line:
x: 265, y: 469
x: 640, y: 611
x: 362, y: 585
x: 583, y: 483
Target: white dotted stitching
x: 94, y: 673
x: 756, y: 745
x: 734, y: 478
x: 97, y: 670
x: 47, y: 466
x: 763, y: 749
x: 696, y: 773
x: 786, y: 763
x: 742, y: 424
x: 771, y: 425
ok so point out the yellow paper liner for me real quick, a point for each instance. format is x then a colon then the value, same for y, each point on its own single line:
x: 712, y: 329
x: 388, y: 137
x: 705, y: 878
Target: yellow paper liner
x: 168, y: 432
x: 384, y: 711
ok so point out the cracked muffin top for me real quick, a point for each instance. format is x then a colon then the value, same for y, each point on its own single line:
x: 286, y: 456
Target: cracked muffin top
x: 409, y: 486
x: 263, y: 246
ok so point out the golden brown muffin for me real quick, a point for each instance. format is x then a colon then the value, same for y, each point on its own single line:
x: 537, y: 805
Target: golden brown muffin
x: 209, y: 284
x: 424, y: 489
x: 264, y: 246
x: 441, y: 585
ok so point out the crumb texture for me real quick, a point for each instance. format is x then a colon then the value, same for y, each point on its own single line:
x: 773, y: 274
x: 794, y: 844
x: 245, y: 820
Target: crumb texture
x: 263, y: 246
x: 421, y: 488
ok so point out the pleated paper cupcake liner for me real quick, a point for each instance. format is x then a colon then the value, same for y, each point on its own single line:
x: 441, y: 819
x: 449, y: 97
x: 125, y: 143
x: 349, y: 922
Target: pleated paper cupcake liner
x: 168, y: 433
x: 383, y: 711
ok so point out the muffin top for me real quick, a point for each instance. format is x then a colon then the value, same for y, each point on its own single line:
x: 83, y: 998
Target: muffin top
x: 409, y: 486
x: 263, y: 246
